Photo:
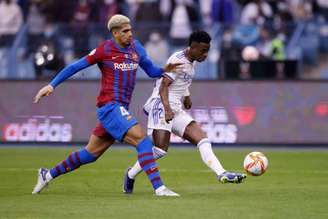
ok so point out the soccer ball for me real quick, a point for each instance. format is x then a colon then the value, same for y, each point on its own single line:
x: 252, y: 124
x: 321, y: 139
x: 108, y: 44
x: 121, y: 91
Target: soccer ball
x: 255, y: 163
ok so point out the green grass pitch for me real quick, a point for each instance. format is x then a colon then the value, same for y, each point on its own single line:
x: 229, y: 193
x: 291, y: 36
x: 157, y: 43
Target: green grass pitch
x: 294, y: 186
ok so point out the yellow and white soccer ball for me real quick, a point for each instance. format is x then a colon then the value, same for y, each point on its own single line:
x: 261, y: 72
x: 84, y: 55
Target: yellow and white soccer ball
x: 256, y: 163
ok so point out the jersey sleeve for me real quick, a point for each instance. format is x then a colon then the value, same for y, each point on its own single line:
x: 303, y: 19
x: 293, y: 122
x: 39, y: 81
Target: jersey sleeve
x: 68, y: 71
x: 146, y: 64
x: 170, y: 75
x: 96, y: 55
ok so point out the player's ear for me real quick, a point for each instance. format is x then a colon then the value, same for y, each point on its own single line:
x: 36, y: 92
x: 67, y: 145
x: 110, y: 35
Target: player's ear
x: 114, y: 32
x: 194, y: 44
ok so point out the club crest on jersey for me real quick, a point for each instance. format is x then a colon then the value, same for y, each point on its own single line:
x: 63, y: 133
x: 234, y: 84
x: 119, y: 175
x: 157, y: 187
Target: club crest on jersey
x: 135, y: 57
x: 186, y: 77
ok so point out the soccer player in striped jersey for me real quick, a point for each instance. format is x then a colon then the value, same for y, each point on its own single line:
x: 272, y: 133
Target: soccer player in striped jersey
x: 118, y: 59
x: 166, y: 114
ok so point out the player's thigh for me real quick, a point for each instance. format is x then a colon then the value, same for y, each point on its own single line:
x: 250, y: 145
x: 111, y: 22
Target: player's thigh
x: 156, y: 121
x: 116, y: 120
x: 98, y: 145
x: 194, y: 133
x: 180, y: 122
x: 156, y: 116
x: 161, y: 138
x: 135, y: 135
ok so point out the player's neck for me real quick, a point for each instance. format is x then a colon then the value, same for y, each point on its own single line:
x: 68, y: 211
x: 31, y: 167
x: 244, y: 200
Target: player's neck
x: 188, y: 55
x: 119, y: 43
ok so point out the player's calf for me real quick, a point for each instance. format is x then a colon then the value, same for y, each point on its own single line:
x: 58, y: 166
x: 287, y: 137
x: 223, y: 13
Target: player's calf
x: 132, y: 172
x: 147, y: 162
x: 72, y: 162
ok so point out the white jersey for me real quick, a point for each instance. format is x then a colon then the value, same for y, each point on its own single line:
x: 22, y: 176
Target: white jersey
x: 181, y: 81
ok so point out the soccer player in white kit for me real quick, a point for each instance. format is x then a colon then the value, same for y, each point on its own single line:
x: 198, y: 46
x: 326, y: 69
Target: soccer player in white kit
x: 166, y: 114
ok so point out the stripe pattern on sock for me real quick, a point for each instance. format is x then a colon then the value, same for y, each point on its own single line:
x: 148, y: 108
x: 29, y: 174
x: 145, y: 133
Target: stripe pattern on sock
x: 72, y: 162
x: 147, y: 162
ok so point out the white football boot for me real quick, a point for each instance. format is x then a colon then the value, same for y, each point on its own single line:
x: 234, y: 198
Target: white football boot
x: 42, y: 181
x: 163, y: 191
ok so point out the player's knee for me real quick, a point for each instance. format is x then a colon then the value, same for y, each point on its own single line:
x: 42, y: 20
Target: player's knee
x: 158, y: 152
x: 139, y: 136
x: 97, y: 149
x: 135, y: 135
x: 162, y: 145
x: 145, y: 145
x: 203, y: 134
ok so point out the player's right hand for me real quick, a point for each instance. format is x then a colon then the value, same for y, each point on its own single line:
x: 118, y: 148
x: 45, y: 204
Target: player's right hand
x: 45, y: 91
x: 169, y: 115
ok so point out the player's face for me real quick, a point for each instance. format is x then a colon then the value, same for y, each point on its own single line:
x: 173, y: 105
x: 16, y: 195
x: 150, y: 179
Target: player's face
x: 123, y: 35
x: 199, y: 51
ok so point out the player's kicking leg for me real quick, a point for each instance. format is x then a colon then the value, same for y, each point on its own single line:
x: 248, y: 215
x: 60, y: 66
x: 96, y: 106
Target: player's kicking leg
x: 195, y: 135
x: 95, y: 148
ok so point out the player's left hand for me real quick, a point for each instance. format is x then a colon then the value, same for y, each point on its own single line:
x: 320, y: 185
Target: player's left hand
x: 187, y: 102
x: 172, y: 67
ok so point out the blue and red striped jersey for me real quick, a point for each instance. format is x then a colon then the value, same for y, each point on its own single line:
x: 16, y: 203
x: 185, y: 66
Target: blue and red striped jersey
x: 118, y: 68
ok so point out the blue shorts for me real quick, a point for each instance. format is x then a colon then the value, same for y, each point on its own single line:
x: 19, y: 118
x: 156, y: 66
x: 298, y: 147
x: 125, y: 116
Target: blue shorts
x: 116, y: 119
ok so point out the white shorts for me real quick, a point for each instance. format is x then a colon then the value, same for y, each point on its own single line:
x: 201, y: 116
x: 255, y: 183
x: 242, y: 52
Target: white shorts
x: 156, y: 118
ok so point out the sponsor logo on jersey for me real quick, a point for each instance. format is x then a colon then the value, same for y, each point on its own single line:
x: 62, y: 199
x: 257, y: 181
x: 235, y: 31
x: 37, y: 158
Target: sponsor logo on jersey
x: 125, y: 66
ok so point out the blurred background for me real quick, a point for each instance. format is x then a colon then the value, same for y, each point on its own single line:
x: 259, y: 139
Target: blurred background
x: 264, y: 79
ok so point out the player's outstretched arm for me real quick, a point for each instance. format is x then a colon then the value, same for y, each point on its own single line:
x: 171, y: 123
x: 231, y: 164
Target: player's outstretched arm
x: 45, y: 91
x: 147, y: 65
x: 69, y: 71
x: 60, y: 77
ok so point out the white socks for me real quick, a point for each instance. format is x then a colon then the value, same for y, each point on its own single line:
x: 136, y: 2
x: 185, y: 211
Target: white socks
x: 208, y: 157
x: 136, y: 169
x: 206, y: 152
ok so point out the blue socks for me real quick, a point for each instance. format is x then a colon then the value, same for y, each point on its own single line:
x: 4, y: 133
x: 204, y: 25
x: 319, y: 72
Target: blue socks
x: 82, y: 157
x: 147, y: 162
x: 72, y: 162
